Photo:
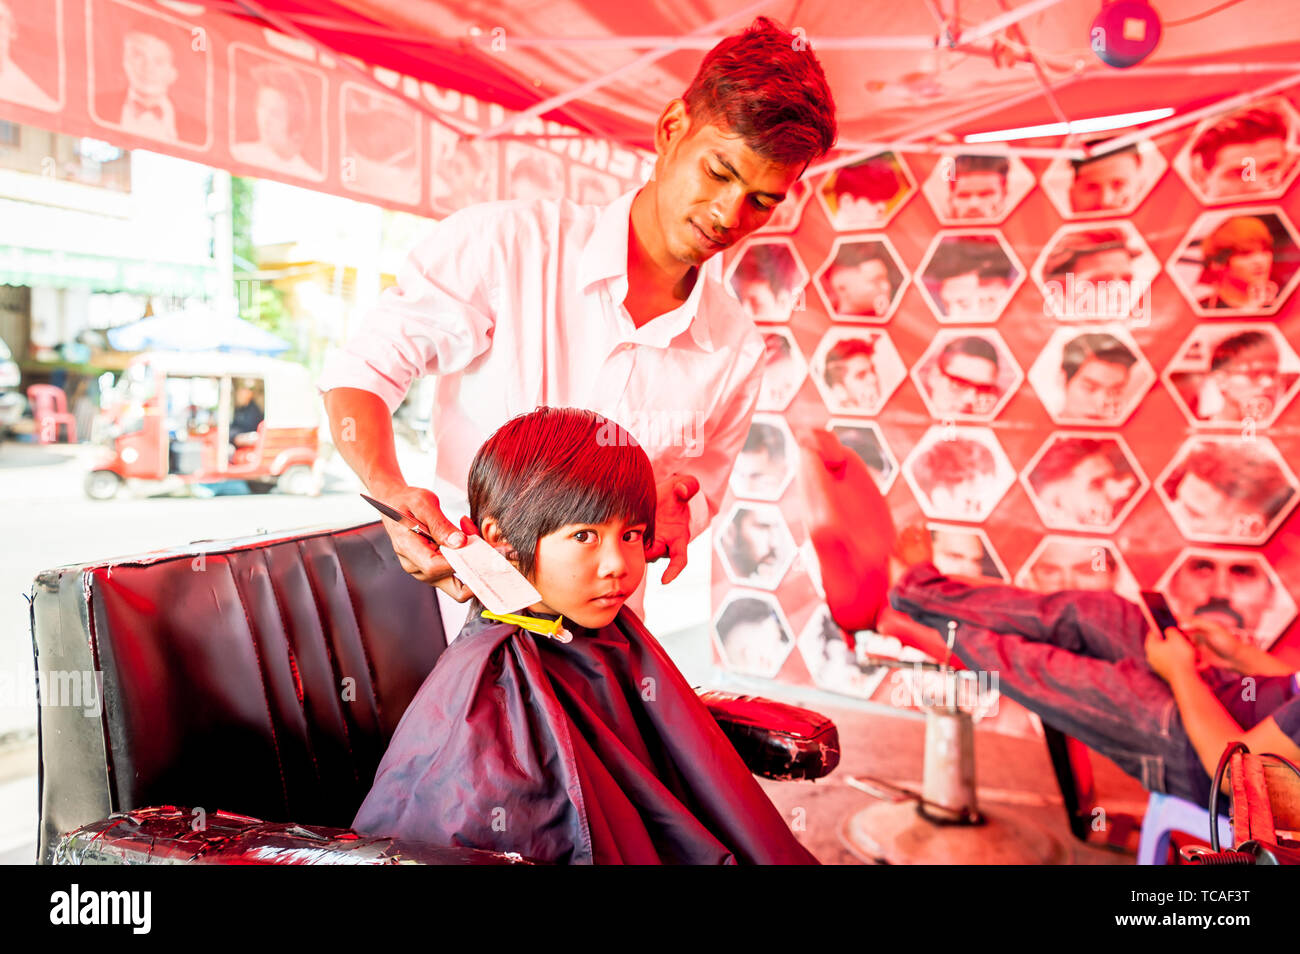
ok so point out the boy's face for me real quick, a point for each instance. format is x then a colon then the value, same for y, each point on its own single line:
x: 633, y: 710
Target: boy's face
x: 586, y: 572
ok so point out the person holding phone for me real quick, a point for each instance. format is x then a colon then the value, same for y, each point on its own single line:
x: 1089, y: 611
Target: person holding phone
x: 1161, y: 705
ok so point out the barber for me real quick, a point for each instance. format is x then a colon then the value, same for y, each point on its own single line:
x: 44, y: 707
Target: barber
x: 513, y: 305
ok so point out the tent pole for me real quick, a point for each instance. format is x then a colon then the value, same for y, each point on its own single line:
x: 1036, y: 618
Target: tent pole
x: 582, y: 89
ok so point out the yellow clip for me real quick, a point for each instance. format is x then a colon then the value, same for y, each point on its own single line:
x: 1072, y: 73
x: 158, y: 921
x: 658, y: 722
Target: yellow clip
x: 553, y: 628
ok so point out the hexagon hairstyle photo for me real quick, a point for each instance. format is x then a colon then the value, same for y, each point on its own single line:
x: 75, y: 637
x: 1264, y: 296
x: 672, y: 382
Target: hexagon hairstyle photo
x: 786, y: 216
x: 1105, y: 183
x: 1244, y: 155
x: 1241, y: 261
x: 969, y: 276
x: 767, y: 460
x: 784, y: 369
x: 976, y: 189
x: 1235, y: 588
x: 862, y: 279
x: 865, y: 439
x: 856, y: 370
x: 958, y: 473
x: 832, y: 660
x: 1091, y: 375
x: 1098, y: 271
x: 964, y: 551
x: 768, y: 279
x: 752, y: 635
x: 966, y: 375
x: 1083, y: 481
x: 1060, y: 564
x: 1228, y: 489
x: 1236, y: 375
x: 755, y: 545
x: 866, y: 194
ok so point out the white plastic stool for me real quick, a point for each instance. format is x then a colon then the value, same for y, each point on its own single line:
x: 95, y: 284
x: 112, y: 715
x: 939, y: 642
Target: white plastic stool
x: 1165, y: 814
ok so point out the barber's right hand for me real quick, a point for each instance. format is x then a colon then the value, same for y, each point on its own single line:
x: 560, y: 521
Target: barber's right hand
x: 418, y: 556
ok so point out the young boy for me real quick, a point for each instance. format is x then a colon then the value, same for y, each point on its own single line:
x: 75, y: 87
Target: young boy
x: 590, y: 751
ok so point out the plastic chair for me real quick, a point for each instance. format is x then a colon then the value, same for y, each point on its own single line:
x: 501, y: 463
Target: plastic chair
x: 49, y: 410
x: 1165, y: 814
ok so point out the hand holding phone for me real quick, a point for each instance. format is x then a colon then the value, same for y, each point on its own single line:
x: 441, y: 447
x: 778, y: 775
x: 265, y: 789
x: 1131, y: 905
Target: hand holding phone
x: 1161, y: 614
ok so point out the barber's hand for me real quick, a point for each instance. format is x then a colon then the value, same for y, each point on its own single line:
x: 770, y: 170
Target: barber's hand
x: 672, y: 522
x: 416, y: 555
x: 1170, y: 656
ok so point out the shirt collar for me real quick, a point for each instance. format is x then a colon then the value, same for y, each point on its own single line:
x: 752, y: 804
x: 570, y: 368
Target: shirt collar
x: 604, y: 258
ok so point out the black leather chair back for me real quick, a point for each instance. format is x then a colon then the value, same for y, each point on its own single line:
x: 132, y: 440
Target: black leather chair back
x: 263, y: 677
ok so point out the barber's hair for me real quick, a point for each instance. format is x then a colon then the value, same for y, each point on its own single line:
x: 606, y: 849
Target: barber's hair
x: 746, y: 609
x: 1247, y: 126
x: 949, y: 463
x: 874, y: 179
x: 964, y: 164
x: 770, y: 262
x: 1252, y: 478
x: 1232, y: 347
x: 1130, y: 150
x: 556, y: 466
x: 1094, y: 346
x: 972, y: 345
x: 1065, y: 455
x: 841, y: 352
x: 766, y: 86
x: 960, y: 256
x: 767, y: 438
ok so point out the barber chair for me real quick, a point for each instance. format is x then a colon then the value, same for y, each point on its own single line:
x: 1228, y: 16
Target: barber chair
x: 852, y: 532
x: 197, y: 702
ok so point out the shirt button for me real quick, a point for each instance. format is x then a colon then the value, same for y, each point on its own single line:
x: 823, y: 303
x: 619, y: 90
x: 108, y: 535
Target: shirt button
x: 628, y: 346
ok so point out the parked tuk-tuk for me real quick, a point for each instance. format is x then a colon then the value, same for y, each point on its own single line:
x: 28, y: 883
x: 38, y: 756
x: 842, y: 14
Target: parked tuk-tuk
x: 205, y: 418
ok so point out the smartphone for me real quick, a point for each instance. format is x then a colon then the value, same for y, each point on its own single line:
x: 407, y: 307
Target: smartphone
x: 1160, y: 612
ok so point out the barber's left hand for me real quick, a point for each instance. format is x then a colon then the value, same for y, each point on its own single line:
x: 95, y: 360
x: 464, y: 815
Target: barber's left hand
x: 1172, y: 655
x: 672, y: 522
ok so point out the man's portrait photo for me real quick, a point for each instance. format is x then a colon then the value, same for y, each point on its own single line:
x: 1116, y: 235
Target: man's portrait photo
x: 1235, y: 588
x: 784, y: 369
x: 866, y: 194
x: 146, y: 78
x: 755, y: 545
x: 1083, y: 482
x: 969, y: 277
x: 753, y: 635
x: 1097, y: 271
x: 1242, y: 156
x: 464, y: 171
x: 966, y: 376
x: 856, y: 370
x: 861, y: 280
x: 29, y: 35
x: 1060, y: 564
x: 380, y: 144
x: 1091, y: 375
x: 768, y: 279
x: 1226, y: 490
x: 865, y: 440
x: 976, y: 189
x: 832, y: 660
x: 964, y: 551
x: 1104, y: 183
x: 785, y: 217
x: 1230, y: 374
x: 1243, y: 262
x: 958, y: 473
x: 281, y: 129
x: 767, y: 460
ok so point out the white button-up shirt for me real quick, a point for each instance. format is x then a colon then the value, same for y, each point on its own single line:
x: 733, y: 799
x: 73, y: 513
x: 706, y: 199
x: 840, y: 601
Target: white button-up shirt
x: 518, y: 304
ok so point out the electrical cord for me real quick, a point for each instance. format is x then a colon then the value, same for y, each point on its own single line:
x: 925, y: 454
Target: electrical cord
x: 1232, y: 749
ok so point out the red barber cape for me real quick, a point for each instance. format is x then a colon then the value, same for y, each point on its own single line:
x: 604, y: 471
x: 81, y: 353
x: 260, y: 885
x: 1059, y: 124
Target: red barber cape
x: 593, y: 751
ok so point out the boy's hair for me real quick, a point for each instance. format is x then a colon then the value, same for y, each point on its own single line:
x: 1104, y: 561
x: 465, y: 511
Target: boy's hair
x: 768, y: 87
x: 556, y: 466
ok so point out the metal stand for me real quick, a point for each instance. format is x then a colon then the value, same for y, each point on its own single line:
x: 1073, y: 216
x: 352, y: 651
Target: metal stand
x: 943, y: 824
